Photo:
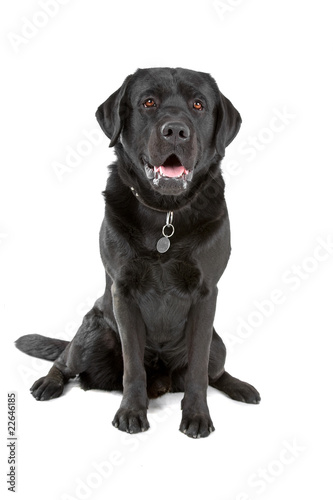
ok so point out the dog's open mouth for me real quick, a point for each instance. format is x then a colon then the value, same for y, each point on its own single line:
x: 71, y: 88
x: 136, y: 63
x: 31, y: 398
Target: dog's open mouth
x: 171, y: 168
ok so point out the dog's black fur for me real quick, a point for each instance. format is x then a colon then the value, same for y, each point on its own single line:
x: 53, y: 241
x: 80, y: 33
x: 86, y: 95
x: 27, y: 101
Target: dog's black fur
x: 152, y: 330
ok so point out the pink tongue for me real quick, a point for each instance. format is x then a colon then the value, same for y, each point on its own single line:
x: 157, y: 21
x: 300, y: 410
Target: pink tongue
x: 172, y: 171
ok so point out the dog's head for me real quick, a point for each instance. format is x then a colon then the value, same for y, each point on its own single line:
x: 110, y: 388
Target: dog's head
x: 171, y: 124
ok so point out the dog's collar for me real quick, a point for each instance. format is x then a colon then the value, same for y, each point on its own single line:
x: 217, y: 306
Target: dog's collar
x: 139, y: 198
x: 163, y: 243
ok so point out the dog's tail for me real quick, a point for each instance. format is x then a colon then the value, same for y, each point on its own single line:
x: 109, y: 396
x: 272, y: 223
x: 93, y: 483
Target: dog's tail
x: 41, y: 347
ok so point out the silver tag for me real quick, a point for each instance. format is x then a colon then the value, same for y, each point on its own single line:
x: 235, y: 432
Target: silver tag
x: 163, y: 245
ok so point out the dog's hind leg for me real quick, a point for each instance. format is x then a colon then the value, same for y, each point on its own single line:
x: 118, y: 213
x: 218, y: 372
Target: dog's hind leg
x: 52, y: 385
x: 222, y: 380
x: 49, y: 387
x: 42, y: 347
x: 94, y: 354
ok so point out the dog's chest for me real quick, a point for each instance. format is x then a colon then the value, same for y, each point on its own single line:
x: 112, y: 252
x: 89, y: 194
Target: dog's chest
x: 143, y: 277
x: 164, y: 292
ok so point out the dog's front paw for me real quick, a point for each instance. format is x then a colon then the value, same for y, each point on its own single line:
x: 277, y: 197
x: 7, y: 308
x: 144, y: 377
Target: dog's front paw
x: 196, y: 425
x: 132, y: 421
x: 47, y: 388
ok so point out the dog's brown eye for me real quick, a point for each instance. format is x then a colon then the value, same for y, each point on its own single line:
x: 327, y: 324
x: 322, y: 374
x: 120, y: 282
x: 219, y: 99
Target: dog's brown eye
x: 198, y: 105
x: 149, y: 103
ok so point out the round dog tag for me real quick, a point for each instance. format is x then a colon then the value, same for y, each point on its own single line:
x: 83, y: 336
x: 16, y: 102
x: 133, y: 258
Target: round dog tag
x: 163, y: 245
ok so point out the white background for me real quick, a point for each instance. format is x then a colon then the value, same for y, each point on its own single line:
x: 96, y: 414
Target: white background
x: 268, y: 57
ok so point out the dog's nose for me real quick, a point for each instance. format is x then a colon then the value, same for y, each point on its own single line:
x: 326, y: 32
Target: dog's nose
x: 175, y: 131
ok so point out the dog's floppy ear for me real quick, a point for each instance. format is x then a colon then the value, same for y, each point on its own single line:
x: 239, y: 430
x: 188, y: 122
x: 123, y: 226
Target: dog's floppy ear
x: 110, y: 114
x: 228, y: 124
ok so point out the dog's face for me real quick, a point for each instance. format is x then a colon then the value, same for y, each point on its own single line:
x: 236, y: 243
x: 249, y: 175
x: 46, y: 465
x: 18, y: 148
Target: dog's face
x: 171, y: 124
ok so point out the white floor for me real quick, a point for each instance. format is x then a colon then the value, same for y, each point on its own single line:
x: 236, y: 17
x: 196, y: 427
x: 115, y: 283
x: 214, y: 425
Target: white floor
x: 279, y: 449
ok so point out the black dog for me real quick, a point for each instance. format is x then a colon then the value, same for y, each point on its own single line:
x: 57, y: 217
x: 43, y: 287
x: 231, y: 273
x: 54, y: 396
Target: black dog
x: 164, y: 243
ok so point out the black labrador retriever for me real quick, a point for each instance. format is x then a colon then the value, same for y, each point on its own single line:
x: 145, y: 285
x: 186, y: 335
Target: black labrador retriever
x: 165, y: 242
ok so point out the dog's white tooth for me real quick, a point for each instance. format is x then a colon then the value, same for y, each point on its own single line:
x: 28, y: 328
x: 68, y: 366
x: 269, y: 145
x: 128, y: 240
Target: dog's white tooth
x: 157, y: 178
x: 149, y: 171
